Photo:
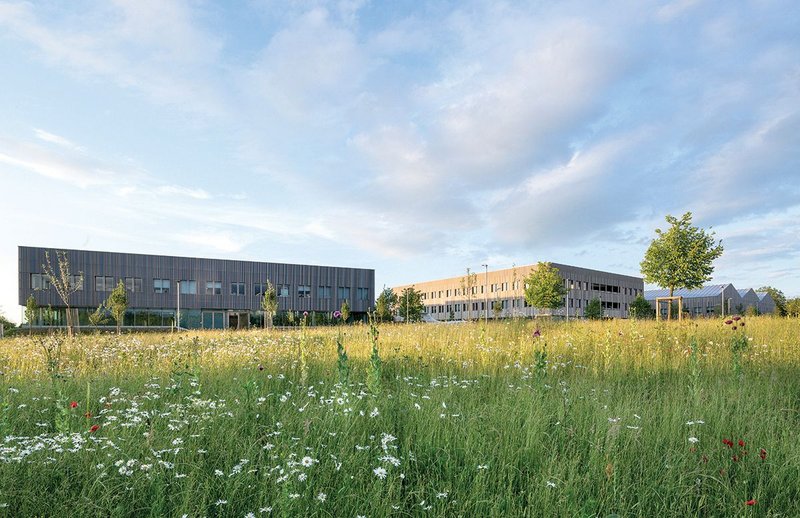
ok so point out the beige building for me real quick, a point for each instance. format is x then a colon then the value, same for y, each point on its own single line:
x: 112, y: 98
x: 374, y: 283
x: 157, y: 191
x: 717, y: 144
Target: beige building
x: 476, y: 296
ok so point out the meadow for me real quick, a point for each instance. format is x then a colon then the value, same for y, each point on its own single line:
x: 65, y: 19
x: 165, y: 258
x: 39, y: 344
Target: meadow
x: 515, y: 418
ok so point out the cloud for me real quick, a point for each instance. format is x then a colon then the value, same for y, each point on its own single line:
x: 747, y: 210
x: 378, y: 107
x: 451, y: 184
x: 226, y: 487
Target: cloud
x: 56, y: 139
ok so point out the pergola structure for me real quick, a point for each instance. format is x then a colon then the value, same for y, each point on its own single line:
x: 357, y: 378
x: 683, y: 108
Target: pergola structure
x: 669, y: 300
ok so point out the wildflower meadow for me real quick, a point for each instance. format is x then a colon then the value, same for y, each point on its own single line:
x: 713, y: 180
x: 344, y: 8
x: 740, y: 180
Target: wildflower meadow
x: 513, y: 418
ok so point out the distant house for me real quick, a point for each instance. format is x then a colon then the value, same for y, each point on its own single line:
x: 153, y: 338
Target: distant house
x: 765, y: 302
x: 749, y: 300
x: 717, y: 299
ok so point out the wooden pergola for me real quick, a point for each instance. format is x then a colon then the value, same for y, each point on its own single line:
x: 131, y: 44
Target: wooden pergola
x: 669, y: 300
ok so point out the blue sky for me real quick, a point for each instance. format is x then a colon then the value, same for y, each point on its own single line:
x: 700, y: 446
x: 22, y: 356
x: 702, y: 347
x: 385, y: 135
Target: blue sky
x: 415, y: 138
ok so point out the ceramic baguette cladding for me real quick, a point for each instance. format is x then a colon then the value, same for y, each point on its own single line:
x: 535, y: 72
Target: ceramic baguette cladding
x: 150, y: 267
x: 506, y: 287
x: 709, y: 300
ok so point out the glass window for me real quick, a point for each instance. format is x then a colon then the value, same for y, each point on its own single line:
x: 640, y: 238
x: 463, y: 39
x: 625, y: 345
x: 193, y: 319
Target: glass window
x: 283, y: 290
x: 133, y: 284
x: 40, y: 281
x: 76, y: 282
x: 161, y: 285
x: 237, y: 288
x: 344, y: 293
x: 259, y: 288
x: 324, y: 292
x: 188, y: 287
x: 103, y: 283
x: 362, y: 293
x: 214, y: 288
x: 303, y: 291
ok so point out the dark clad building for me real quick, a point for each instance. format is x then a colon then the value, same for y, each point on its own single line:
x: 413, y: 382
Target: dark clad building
x: 214, y: 293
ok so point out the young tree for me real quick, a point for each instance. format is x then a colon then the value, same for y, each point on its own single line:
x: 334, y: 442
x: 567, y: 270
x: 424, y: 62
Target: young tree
x: 681, y: 256
x: 640, y: 308
x: 345, y: 310
x: 117, y: 304
x: 544, y: 287
x: 269, y: 303
x: 594, y: 310
x: 64, y: 283
x: 779, y: 298
x: 468, y: 282
x: 31, y: 309
x: 497, y: 309
x: 385, y: 305
x: 409, y: 305
x: 99, y: 316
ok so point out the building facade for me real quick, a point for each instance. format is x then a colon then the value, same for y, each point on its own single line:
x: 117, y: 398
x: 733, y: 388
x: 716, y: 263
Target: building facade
x: 212, y: 293
x: 501, y: 294
x: 713, y: 300
x: 766, y: 304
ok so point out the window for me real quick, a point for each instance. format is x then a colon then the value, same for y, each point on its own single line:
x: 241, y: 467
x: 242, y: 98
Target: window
x: 303, y: 291
x: 76, y: 282
x: 283, y: 290
x: 214, y: 288
x: 362, y: 293
x: 188, y: 287
x: 324, y: 292
x: 40, y: 281
x: 237, y: 288
x: 161, y: 285
x: 133, y: 284
x: 259, y: 288
x: 344, y: 293
x: 102, y: 283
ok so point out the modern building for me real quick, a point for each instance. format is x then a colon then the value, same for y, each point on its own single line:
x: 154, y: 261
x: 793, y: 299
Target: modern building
x: 477, y: 296
x: 212, y: 293
x: 766, y: 304
x: 714, y: 300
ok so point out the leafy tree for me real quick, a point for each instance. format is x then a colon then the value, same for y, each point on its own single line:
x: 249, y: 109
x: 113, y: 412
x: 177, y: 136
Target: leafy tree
x: 385, y: 305
x: 64, y: 283
x: 779, y: 298
x: 30, y: 312
x: 793, y: 307
x: 99, y: 316
x: 409, y: 305
x: 594, y: 310
x: 117, y: 304
x: 497, y: 309
x: 681, y: 256
x: 269, y: 303
x: 6, y: 324
x: 640, y: 308
x: 345, y: 310
x: 544, y: 287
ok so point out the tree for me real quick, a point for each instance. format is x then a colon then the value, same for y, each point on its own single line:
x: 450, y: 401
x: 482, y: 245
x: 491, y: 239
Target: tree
x: 544, y: 287
x: 269, y: 303
x: 99, y: 316
x: 345, y: 310
x: 779, y: 298
x: 594, y: 310
x: 30, y: 312
x: 681, y: 256
x: 640, y: 308
x: 64, y: 283
x: 6, y: 324
x: 468, y: 282
x: 385, y: 305
x: 117, y: 304
x: 793, y: 307
x: 410, y: 305
x: 497, y: 309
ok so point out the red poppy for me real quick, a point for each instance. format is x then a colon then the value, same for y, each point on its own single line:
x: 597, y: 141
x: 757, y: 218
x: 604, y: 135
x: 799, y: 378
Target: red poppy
x: 737, y: 318
x: 729, y: 322
x: 94, y: 428
x: 762, y: 454
x: 73, y: 404
x: 728, y: 443
x: 741, y: 443
x: 752, y: 501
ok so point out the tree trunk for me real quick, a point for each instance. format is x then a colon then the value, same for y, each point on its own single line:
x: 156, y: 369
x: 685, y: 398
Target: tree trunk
x: 669, y: 306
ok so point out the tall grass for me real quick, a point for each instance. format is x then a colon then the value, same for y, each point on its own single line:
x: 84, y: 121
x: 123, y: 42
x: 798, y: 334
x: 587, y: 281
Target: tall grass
x: 588, y: 419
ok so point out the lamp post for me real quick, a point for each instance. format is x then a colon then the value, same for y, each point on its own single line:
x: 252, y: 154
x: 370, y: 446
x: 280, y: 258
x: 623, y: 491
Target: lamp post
x: 486, y: 294
x: 407, y: 293
x: 178, y: 311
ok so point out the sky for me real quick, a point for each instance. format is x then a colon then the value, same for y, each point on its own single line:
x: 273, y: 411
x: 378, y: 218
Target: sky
x: 415, y: 138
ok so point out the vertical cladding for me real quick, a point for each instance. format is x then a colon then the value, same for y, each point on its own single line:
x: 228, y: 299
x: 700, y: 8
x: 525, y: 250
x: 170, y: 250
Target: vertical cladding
x: 150, y: 267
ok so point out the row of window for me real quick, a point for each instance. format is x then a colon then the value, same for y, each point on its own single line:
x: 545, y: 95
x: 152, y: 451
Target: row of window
x: 476, y: 306
x: 504, y: 286
x: 40, y: 281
